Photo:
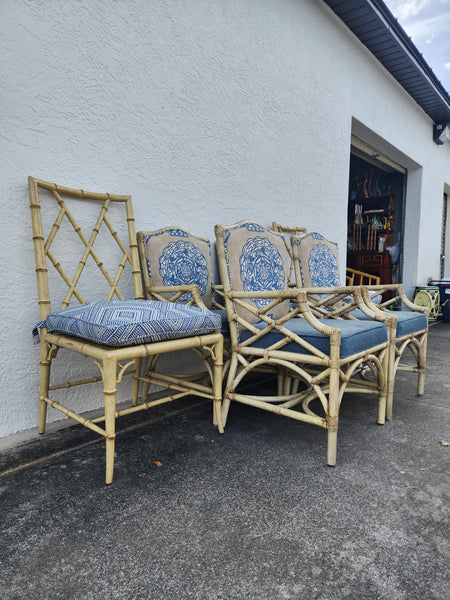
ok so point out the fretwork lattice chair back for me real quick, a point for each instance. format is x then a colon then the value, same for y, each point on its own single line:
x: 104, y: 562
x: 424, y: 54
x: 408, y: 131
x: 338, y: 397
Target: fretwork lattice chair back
x: 316, y: 263
x: 273, y: 325
x: 115, y: 332
x: 177, y: 267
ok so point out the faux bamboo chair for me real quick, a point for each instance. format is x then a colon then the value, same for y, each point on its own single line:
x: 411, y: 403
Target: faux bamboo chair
x: 316, y: 264
x: 177, y: 266
x: 352, y: 276
x: 409, y: 331
x: 115, y: 332
x: 273, y: 325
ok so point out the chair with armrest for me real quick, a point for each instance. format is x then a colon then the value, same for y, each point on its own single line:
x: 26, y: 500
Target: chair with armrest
x: 177, y: 267
x: 316, y: 263
x: 116, y: 333
x: 273, y: 325
x: 408, y: 332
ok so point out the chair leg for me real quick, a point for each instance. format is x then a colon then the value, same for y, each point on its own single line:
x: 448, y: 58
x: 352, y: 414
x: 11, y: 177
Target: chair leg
x: 149, y: 367
x: 421, y: 364
x: 109, y: 392
x: 136, y: 382
x: 44, y: 380
x: 333, y: 417
x: 217, y: 385
x: 146, y: 385
x: 332, y: 448
x: 226, y: 398
x: 383, y: 387
x: 280, y: 382
x: 390, y: 380
x: 287, y: 385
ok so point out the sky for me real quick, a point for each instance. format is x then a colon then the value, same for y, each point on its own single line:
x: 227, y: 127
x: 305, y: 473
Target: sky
x: 427, y: 22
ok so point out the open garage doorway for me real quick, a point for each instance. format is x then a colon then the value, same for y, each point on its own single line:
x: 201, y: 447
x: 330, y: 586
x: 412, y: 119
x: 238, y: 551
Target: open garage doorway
x: 377, y: 187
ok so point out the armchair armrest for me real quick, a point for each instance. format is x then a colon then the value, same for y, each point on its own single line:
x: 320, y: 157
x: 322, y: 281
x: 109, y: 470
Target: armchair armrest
x: 176, y: 291
x: 296, y: 295
x: 398, y: 295
x: 339, y: 302
x: 312, y: 304
x: 260, y: 332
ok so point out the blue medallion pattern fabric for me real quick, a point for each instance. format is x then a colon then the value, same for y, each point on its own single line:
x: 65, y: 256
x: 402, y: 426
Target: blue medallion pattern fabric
x: 319, y: 260
x: 261, y: 267
x: 176, y: 257
x: 257, y: 261
x: 127, y: 323
x: 322, y: 266
x: 182, y: 263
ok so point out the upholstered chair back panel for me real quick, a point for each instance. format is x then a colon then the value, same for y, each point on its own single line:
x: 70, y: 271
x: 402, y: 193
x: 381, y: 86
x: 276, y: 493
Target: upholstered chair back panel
x: 176, y: 257
x: 318, y: 260
x: 256, y: 261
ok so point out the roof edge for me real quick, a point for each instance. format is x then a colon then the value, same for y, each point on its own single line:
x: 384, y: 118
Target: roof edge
x: 424, y: 87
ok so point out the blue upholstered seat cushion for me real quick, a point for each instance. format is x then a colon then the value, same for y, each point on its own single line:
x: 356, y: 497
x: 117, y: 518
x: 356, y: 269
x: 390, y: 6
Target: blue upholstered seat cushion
x: 408, y: 322
x: 356, y: 336
x: 128, y: 323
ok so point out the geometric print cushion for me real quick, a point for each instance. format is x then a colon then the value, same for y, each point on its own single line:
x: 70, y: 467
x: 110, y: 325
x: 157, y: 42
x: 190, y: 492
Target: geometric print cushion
x: 131, y: 322
x: 319, y: 260
x: 176, y: 257
x: 256, y: 261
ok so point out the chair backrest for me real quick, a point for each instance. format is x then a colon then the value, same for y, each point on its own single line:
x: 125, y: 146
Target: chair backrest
x: 95, y: 243
x: 287, y: 233
x: 172, y: 257
x: 316, y: 260
x: 355, y: 277
x: 252, y: 259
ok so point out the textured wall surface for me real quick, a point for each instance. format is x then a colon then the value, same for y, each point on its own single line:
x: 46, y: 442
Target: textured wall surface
x: 206, y: 112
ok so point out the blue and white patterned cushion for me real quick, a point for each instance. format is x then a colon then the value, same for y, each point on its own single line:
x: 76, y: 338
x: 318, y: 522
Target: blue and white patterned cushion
x: 175, y: 257
x: 261, y: 267
x: 128, y: 323
x: 257, y: 261
x: 318, y: 258
x: 182, y: 263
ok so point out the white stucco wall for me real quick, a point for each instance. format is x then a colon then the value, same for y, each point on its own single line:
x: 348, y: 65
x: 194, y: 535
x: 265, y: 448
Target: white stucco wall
x: 206, y: 112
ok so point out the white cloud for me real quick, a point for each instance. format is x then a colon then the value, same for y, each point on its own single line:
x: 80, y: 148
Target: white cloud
x: 410, y: 9
x: 447, y: 66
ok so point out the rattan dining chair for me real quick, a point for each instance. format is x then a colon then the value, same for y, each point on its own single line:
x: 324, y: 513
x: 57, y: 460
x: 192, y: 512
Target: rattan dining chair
x: 273, y: 325
x: 177, y: 267
x: 116, y: 333
x: 316, y: 264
